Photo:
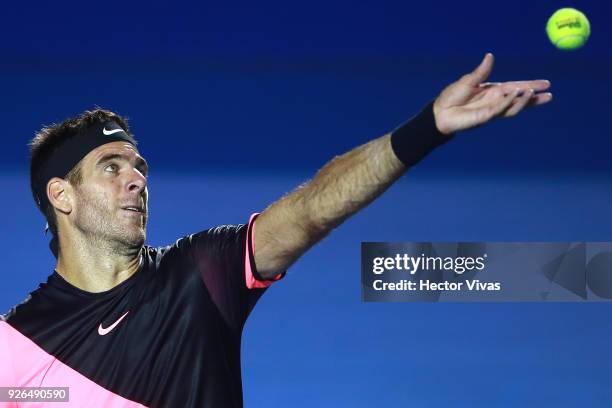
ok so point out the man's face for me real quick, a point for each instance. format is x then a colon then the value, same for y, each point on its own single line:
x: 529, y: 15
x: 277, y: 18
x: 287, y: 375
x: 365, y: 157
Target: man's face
x: 111, y: 200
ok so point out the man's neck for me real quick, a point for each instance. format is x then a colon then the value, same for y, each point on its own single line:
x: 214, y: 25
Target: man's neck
x: 95, y: 267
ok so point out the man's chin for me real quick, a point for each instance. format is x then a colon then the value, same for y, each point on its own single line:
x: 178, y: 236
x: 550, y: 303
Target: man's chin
x: 135, y: 239
x: 140, y: 239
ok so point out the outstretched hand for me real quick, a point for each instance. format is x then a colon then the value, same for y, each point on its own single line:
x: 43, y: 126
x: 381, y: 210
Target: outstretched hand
x: 471, y: 102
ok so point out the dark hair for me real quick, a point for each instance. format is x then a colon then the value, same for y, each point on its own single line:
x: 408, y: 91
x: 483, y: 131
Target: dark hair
x: 48, y: 140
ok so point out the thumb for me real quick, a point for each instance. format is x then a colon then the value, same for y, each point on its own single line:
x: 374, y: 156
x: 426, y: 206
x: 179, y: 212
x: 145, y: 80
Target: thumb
x: 482, y: 72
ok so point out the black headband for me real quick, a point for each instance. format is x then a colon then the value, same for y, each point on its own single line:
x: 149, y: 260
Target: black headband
x: 69, y: 153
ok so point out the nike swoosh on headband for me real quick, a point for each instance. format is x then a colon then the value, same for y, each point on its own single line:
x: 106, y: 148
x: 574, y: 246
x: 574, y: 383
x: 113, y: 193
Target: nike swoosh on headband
x: 110, y: 132
x: 103, y: 332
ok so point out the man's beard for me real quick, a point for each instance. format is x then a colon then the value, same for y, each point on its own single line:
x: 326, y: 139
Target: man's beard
x: 108, y: 226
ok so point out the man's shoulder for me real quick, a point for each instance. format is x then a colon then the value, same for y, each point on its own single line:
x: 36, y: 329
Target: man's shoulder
x: 221, y: 234
x: 19, y: 309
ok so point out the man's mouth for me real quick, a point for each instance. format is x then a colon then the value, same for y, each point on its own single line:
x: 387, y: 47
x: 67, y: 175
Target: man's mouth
x: 134, y: 209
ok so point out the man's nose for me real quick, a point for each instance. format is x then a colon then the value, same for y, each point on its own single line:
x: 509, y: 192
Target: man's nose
x: 137, y: 182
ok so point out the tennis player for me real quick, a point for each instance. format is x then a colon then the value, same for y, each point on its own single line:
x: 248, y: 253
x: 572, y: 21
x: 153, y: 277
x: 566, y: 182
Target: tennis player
x: 123, y: 324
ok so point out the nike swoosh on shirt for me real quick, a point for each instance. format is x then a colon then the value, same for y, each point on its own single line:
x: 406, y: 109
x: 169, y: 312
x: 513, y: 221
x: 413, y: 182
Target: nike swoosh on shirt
x: 103, y: 332
x: 110, y: 132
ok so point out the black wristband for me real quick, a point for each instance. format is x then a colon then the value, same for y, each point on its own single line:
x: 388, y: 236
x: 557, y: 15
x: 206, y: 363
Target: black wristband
x: 414, y: 139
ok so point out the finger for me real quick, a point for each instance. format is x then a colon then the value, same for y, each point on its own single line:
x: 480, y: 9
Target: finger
x: 519, y: 103
x: 534, y: 100
x: 489, y: 95
x: 489, y: 84
x: 540, y: 99
x: 482, y: 72
x: 537, y: 85
x: 499, y: 105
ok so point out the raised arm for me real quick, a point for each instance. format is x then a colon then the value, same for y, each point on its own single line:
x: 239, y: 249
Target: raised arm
x: 291, y: 225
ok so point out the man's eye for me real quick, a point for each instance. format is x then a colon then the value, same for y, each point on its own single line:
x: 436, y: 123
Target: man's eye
x: 112, y: 168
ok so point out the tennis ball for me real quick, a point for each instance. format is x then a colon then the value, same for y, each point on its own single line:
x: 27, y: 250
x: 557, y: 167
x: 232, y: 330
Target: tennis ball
x: 568, y: 29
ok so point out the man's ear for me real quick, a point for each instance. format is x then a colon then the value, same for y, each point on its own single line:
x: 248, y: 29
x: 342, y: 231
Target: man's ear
x: 60, y: 194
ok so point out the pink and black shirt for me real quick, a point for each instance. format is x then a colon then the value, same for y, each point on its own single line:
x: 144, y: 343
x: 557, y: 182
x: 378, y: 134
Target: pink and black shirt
x: 168, y: 336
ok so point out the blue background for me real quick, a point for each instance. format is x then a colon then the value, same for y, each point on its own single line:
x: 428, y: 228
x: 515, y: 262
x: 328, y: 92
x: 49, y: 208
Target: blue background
x: 236, y: 103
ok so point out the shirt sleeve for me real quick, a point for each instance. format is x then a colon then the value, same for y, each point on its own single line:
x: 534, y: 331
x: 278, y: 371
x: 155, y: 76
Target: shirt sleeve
x: 224, y: 259
x: 252, y: 277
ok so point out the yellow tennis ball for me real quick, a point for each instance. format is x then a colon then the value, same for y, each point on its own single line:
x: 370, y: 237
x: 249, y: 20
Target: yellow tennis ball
x: 568, y: 29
